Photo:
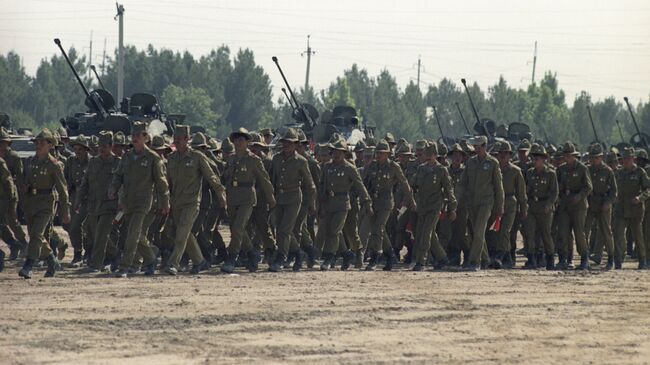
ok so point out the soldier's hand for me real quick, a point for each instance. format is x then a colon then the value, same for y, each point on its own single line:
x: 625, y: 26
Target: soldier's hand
x: 164, y: 210
x: 222, y: 200
x: 312, y: 210
x: 451, y: 215
x: 111, y: 194
x: 368, y: 209
x: 573, y: 199
x: 606, y: 207
x: 636, y: 200
x: 547, y: 209
x: 272, y: 203
x: 66, y: 218
x: 523, y: 215
x: 413, y: 206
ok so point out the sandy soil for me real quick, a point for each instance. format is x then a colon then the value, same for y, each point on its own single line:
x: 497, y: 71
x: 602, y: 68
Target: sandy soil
x: 490, y: 317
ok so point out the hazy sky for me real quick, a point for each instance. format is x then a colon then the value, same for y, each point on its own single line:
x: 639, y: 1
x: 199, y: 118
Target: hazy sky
x: 599, y: 46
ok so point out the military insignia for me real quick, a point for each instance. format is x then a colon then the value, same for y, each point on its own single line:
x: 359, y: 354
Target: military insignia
x: 486, y: 166
x: 144, y: 163
x: 575, y: 174
x: 189, y: 163
x: 234, y: 183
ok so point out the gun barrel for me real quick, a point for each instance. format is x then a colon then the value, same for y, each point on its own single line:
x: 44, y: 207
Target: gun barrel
x: 636, y: 126
x: 284, y: 91
x: 593, y: 126
x: 92, y: 67
x: 442, y: 134
x: 462, y: 118
x: 76, y: 75
x: 620, y: 131
x: 471, y: 102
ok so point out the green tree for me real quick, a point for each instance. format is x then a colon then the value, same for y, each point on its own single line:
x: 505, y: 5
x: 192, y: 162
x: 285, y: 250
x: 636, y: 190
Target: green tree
x: 194, y: 102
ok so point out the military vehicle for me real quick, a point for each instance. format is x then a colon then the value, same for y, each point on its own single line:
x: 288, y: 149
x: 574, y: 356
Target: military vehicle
x: 103, y: 114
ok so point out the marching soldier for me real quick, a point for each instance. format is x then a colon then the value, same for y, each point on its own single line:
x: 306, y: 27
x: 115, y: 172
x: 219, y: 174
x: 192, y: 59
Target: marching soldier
x: 186, y: 171
x: 432, y: 185
x: 601, y: 201
x: 405, y: 215
x: 633, y: 189
x: 574, y: 186
x: 482, y: 188
x: 75, y: 168
x: 244, y: 170
x: 304, y: 228
x: 140, y: 174
x: 542, y: 192
x: 8, y: 195
x: 458, y: 242
x: 260, y: 219
x: 380, y: 179
x: 93, y: 195
x: 267, y: 135
x: 43, y: 174
x: 14, y: 229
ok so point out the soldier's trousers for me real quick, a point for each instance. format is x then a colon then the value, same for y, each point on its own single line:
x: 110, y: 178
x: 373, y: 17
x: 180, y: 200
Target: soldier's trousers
x: 37, y: 223
x: 426, y: 238
x: 239, y: 216
x: 300, y: 238
x: 184, y: 240
x: 402, y: 237
x: 646, y: 230
x: 10, y: 220
x: 285, y: 220
x: 101, y: 227
x: 507, y: 222
x: 332, y: 228
x: 75, y: 228
x: 378, y: 239
x: 351, y: 229
x: 262, y: 229
x: 136, y: 239
x: 602, y: 221
x: 572, y: 221
x: 539, y: 225
x: 459, y: 241
x: 621, y: 224
x: 478, y: 218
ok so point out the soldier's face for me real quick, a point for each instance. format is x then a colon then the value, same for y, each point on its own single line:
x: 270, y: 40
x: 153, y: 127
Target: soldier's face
x: 118, y: 150
x: 138, y: 140
x: 181, y: 142
x: 628, y: 162
x: 268, y: 139
x: 420, y: 155
x: 43, y: 146
x: 288, y: 147
x: 539, y: 162
x: 382, y: 157
x: 403, y: 159
x: 569, y: 159
x: 503, y: 157
x: 338, y: 156
x: 596, y: 160
x: 241, y: 143
x: 104, y: 150
x: 80, y: 151
x: 4, y: 146
x: 523, y: 155
x: 456, y: 158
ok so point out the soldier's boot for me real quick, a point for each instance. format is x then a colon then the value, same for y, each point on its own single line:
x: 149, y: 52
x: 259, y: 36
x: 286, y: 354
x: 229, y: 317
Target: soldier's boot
x: 596, y: 259
x: 312, y: 254
x: 390, y: 260
x: 348, y: 257
x: 269, y: 252
x: 642, y: 265
x: 372, y: 263
x: 26, y: 271
x: 531, y: 264
x: 221, y: 256
x: 60, y: 251
x: 569, y: 262
x: 150, y: 269
x: 358, y: 259
x: 550, y: 262
x: 541, y: 260
x: 228, y: 265
x: 561, y: 264
x: 513, y: 256
x: 441, y: 264
x: 52, y: 266
x: 300, y: 257
x: 408, y: 258
x: 185, y: 263
x: 2, y: 261
x: 507, y: 261
x: 496, y: 261
x: 253, y: 260
x: 630, y: 249
x: 584, y: 263
x: 291, y: 257
x: 278, y: 263
x: 14, y: 250
x: 328, y: 260
x: 418, y: 267
x: 170, y: 270
x: 454, y: 258
x: 201, y: 266
x: 610, y: 263
x: 77, y: 259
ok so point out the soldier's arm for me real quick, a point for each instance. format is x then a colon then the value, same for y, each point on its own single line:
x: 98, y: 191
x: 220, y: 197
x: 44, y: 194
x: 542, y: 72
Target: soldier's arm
x: 67, y: 173
x: 553, y: 192
x: 645, y: 185
x: 62, y: 188
x: 307, y: 185
x: 499, y: 195
x: 612, y: 193
x: 161, y: 184
x: 82, y: 193
x: 452, y: 203
x: 118, y: 180
x: 210, y: 176
x: 404, y: 185
x: 462, y: 184
x: 357, y: 185
x: 262, y: 180
x: 520, y: 190
x: 7, y: 181
x: 587, y: 187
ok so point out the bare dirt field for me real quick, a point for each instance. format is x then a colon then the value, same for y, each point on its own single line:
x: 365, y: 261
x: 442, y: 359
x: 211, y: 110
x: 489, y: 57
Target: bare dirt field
x: 490, y: 317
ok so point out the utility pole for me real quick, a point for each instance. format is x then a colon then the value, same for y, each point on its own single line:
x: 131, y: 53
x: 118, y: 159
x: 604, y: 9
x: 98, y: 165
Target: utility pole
x: 120, y: 52
x: 534, y: 63
x: 309, y: 52
x: 90, y: 54
x: 104, y: 58
x: 419, y: 63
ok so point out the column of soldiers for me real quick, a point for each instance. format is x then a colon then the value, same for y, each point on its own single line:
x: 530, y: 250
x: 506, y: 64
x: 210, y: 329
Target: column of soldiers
x: 142, y: 203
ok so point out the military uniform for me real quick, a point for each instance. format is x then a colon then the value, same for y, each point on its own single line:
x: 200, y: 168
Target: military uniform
x: 243, y: 172
x: 12, y: 230
x: 93, y: 195
x: 406, y: 216
x: 186, y: 172
x: 75, y: 168
x: 337, y: 181
x: 632, y: 183
x: 8, y: 195
x: 261, y: 218
x: 459, y: 239
x: 42, y: 176
x: 601, y: 200
x: 380, y: 179
x: 482, y: 188
x: 141, y: 176
x: 432, y: 186
x: 542, y: 192
x: 574, y: 186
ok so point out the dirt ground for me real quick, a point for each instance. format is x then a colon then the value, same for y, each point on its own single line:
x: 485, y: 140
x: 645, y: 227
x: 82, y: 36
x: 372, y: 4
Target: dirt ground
x: 490, y: 317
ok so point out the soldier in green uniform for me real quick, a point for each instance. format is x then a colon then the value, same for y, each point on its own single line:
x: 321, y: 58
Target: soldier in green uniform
x: 75, y: 168
x: 380, y: 179
x: 8, y: 195
x: 63, y: 143
x: 43, y: 174
x: 186, y: 171
x: 15, y: 235
x: 542, y: 192
x: 406, y: 217
x: 459, y: 240
x: 267, y: 135
x: 574, y: 186
x: 432, y: 185
x: 482, y: 189
x: 524, y: 163
x: 292, y: 181
x: 633, y: 190
x: 601, y: 200
x: 119, y: 144
x: 93, y: 195
x: 304, y: 227
x: 140, y: 174
x: 516, y: 201
x: 244, y: 170
x: 642, y: 160
x: 260, y: 218
x: 338, y: 178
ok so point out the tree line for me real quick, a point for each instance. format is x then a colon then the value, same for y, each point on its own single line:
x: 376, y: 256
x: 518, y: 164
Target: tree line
x: 223, y: 91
